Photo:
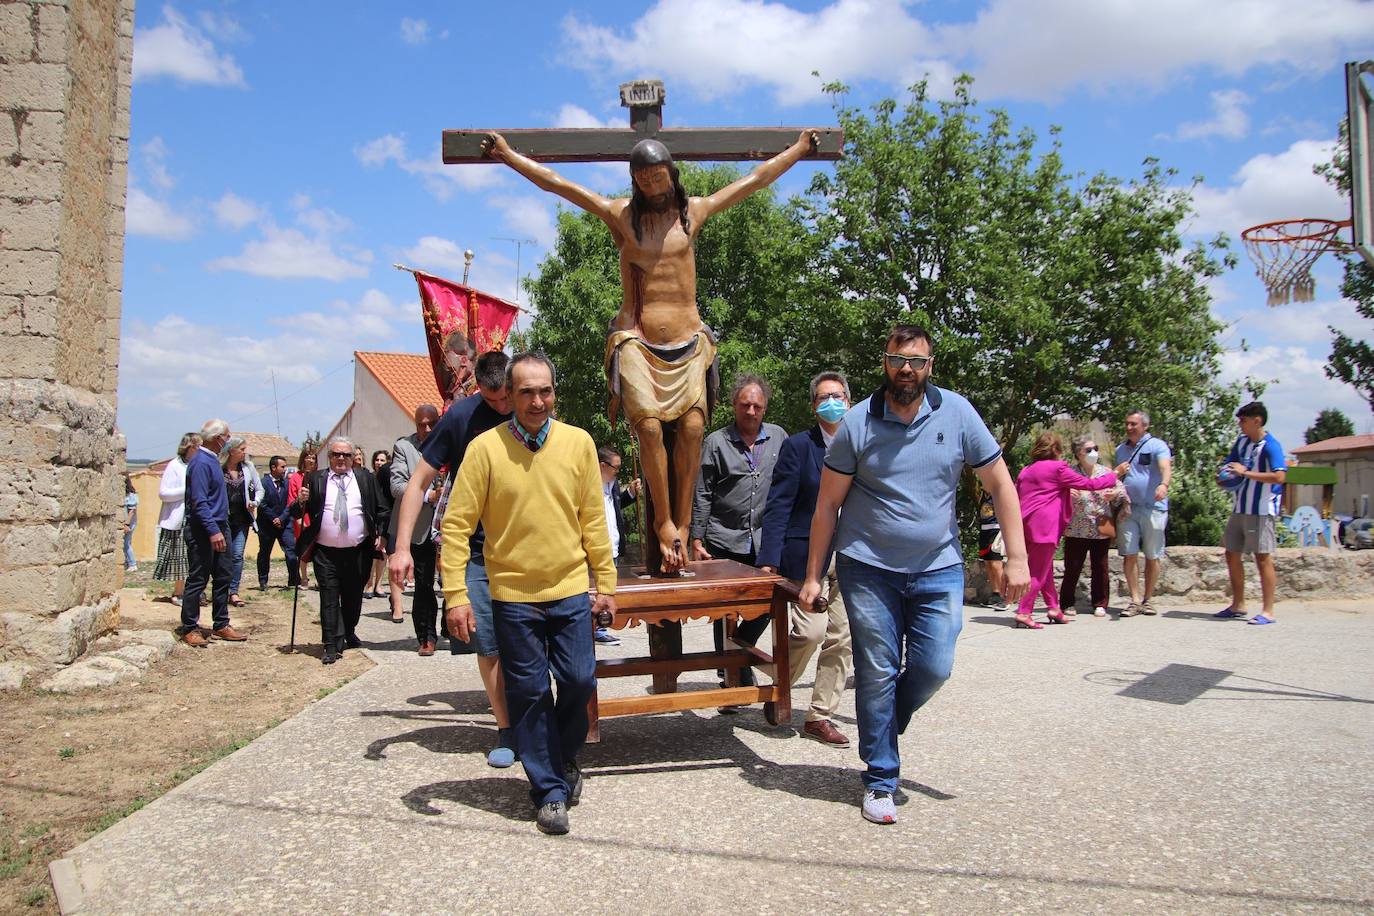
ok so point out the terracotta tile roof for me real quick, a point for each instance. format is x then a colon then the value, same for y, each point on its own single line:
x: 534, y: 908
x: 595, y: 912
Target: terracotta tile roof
x: 269, y: 444
x: 407, y: 377
x: 1338, y: 444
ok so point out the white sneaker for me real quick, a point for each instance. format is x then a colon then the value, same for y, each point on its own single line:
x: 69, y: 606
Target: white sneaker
x: 879, y: 807
x: 1099, y: 612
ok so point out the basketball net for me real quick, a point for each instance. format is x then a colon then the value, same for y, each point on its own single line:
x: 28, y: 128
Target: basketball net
x: 1283, y: 253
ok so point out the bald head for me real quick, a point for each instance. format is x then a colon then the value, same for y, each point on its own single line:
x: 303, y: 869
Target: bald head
x: 426, y: 415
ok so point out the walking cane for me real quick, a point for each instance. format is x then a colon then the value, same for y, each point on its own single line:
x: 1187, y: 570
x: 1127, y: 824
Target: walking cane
x: 294, y: 599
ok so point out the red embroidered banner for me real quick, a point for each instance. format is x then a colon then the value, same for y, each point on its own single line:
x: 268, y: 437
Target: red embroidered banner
x: 449, y: 307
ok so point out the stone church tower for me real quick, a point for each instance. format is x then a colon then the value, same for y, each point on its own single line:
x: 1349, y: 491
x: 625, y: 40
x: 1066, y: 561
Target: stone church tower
x: 65, y: 77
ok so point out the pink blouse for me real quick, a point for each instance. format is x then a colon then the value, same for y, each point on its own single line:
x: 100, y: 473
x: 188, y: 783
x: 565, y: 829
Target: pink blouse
x: 1044, y: 488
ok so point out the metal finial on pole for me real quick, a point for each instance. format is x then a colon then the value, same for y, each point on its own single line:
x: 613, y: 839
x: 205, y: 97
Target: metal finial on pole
x: 467, y: 265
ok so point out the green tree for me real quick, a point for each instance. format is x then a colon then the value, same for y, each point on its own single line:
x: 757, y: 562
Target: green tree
x: 1330, y: 423
x: 1049, y: 294
x: 1352, y: 360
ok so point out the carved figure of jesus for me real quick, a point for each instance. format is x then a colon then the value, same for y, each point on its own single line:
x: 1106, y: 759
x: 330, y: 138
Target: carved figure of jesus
x: 659, y: 355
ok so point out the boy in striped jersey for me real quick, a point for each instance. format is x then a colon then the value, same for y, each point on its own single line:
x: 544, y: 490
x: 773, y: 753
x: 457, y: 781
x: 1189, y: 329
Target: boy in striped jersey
x: 1257, y: 459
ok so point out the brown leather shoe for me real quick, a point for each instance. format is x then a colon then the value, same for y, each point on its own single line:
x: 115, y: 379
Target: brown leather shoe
x: 228, y: 634
x: 823, y: 731
x: 426, y: 648
x: 194, y: 638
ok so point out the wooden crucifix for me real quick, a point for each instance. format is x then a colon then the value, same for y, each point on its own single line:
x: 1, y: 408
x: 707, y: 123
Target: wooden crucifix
x: 660, y: 358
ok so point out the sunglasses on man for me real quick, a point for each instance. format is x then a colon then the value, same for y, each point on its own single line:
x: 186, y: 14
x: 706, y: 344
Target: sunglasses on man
x: 896, y: 361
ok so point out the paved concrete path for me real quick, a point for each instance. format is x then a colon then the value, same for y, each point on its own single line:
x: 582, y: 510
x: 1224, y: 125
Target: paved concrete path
x: 1173, y: 764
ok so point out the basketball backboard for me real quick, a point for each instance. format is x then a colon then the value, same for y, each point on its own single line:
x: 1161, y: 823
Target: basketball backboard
x: 1359, y: 85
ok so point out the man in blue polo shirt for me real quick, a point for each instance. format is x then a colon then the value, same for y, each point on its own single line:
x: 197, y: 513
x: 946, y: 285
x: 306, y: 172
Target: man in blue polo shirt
x: 894, y: 467
x: 1145, y: 466
x: 1256, y: 459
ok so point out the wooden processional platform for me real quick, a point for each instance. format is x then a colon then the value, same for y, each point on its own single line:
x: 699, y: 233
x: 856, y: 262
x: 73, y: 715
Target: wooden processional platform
x: 719, y: 590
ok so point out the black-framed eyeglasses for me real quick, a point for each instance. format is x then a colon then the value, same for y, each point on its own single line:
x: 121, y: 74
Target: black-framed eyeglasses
x: 897, y: 361
x: 348, y: 455
x: 614, y: 467
x: 833, y: 396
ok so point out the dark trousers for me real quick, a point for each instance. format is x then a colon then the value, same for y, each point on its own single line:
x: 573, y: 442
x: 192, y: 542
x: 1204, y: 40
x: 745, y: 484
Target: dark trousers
x: 203, y: 564
x: 748, y: 631
x: 536, y: 640
x: 341, y: 573
x: 268, y: 535
x: 1075, y: 549
x: 424, y: 609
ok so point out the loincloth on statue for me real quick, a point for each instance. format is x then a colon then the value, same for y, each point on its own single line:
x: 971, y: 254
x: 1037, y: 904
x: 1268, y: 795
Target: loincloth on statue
x: 648, y: 381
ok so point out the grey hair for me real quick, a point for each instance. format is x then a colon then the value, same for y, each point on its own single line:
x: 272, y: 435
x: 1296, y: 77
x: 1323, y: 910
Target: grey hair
x: 1137, y: 412
x: 213, y: 429
x: 744, y: 379
x: 232, y: 442
x: 329, y: 447
x: 830, y: 375
x: 535, y: 356
x: 1077, y: 444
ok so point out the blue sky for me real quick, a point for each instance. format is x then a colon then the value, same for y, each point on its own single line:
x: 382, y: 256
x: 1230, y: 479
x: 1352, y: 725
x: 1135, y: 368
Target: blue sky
x: 284, y: 155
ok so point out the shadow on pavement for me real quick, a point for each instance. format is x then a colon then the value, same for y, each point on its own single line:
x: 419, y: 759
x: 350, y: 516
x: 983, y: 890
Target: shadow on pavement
x: 510, y: 798
x: 439, y: 739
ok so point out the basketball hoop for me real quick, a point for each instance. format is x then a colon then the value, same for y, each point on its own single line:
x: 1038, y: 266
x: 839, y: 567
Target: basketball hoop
x: 1284, y: 251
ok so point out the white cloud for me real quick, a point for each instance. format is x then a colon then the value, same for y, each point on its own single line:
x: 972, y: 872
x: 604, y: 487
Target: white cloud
x: 1040, y: 49
x: 1229, y: 118
x: 291, y: 254
x: 1032, y: 49
x: 576, y: 116
x: 1270, y: 187
x: 154, y: 154
x: 437, y: 254
x: 236, y: 212
x: 414, y: 31
x: 713, y: 45
x: 145, y: 215
x: 1298, y: 388
x: 528, y: 217
x: 177, y: 49
x: 441, y: 181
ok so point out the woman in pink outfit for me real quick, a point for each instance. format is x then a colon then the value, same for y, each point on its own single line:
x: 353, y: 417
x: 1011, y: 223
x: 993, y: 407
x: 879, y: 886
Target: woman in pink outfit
x: 1044, y: 486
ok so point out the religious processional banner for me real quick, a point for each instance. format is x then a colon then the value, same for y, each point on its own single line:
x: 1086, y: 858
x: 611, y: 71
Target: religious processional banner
x: 449, y: 307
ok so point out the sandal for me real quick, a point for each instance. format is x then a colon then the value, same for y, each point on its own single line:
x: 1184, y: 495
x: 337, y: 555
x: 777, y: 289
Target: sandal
x: 1028, y: 622
x: 1228, y: 613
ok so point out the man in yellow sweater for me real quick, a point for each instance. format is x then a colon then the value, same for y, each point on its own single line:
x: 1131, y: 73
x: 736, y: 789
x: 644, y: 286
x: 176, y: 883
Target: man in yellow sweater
x: 535, y: 486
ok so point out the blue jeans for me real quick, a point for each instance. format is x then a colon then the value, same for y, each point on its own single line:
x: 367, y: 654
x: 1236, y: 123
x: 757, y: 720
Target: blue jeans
x: 129, y: 548
x: 536, y: 640
x: 904, y: 626
x: 238, y: 537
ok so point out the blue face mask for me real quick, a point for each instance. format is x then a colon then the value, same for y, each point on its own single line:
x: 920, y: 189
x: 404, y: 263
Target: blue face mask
x: 831, y: 410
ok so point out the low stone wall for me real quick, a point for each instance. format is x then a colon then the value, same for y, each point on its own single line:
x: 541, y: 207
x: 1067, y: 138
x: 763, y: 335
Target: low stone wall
x: 1198, y: 574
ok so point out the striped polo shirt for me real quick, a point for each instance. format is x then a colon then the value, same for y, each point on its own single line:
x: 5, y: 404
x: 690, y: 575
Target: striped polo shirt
x: 1253, y: 497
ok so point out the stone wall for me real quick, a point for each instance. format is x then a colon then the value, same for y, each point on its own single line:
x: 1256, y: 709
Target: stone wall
x: 65, y: 77
x: 1198, y: 574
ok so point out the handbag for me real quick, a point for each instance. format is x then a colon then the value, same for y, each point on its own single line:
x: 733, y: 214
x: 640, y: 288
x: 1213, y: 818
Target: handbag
x: 1106, y: 524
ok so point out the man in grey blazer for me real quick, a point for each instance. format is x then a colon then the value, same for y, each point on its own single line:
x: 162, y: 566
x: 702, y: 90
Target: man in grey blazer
x: 405, y: 458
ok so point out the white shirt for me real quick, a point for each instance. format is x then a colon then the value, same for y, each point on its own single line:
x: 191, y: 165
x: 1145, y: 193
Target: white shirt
x: 612, y: 523
x: 172, y: 491
x: 331, y: 535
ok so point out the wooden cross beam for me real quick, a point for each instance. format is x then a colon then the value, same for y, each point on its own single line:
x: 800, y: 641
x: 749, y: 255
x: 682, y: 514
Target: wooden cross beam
x: 645, y: 100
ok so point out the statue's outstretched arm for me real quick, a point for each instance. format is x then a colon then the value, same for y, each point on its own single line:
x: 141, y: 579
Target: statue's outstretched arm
x: 547, y: 179
x: 761, y: 177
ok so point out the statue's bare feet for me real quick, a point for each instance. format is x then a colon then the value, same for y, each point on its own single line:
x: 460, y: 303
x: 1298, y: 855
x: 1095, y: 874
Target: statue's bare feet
x: 670, y: 548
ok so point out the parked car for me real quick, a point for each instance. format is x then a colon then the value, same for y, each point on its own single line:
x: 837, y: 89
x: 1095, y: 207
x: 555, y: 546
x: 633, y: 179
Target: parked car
x: 1359, y: 534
